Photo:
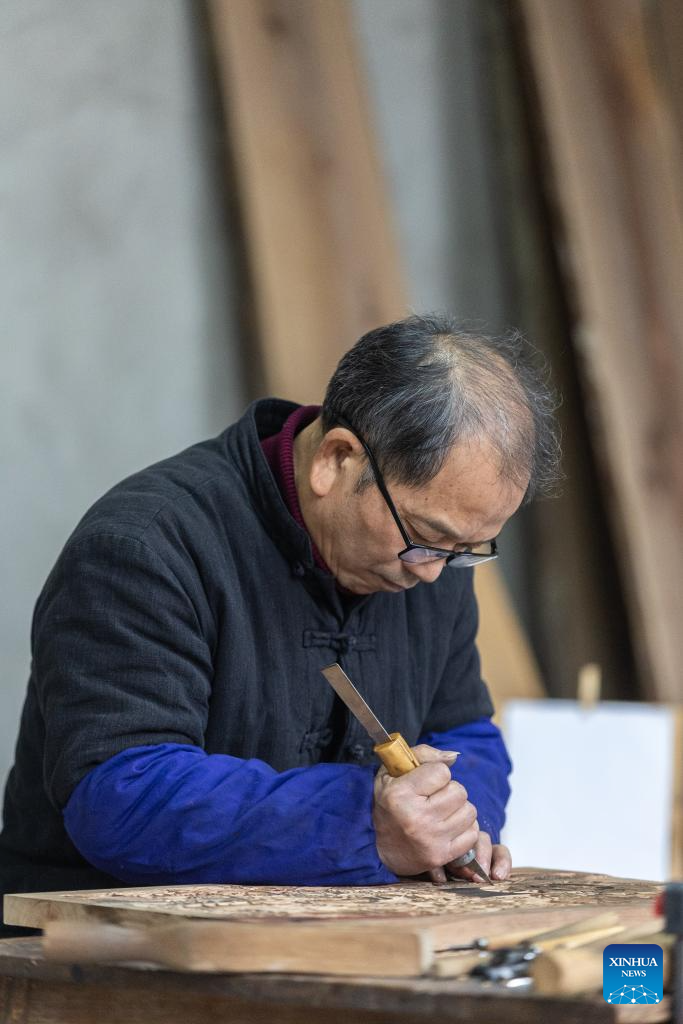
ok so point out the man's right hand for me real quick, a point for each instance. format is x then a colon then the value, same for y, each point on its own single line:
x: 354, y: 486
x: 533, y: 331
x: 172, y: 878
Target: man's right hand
x: 423, y: 820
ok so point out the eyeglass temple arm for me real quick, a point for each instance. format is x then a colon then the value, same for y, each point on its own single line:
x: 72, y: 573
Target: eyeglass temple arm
x: 378, y: 480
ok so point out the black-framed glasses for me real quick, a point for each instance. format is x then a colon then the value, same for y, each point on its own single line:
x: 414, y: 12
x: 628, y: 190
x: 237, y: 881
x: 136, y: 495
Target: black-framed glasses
x: 421, y: 553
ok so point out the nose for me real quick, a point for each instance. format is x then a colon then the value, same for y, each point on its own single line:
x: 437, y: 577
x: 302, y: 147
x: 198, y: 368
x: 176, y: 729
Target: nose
x: 426, y: 572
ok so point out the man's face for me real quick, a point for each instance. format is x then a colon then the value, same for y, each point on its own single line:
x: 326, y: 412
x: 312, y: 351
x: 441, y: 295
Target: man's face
x: 466, y: 503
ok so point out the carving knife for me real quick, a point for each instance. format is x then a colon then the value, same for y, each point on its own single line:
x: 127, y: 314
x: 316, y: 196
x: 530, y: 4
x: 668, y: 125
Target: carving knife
x: 391, y: 748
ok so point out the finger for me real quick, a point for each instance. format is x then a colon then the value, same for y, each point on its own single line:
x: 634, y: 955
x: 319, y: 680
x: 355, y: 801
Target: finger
x: 447, y: 801
x: 483, y: 851
x: 501, y: 862
x: 461, y: 820
x: 427, y: 779
x: 462, y: 843
x: 426, y: 754
x: 465, y: 873
x: 438, y: 876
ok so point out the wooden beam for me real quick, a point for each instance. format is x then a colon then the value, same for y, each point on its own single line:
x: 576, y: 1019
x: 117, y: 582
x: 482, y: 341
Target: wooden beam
x: 320, y: 242
x: 614, y: 148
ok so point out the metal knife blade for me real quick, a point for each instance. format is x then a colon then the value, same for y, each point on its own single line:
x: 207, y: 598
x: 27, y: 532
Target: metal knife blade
x: 346, y: 691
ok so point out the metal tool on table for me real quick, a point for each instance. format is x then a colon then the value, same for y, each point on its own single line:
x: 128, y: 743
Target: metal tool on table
x: 391, y: 748
x: 507, y: 960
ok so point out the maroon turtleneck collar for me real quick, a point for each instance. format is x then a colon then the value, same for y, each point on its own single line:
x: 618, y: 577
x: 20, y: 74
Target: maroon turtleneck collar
x: 279, y: 452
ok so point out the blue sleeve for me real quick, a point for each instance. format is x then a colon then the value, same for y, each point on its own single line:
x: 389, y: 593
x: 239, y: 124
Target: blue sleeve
x: 171, y: 813
x: 482, y: 768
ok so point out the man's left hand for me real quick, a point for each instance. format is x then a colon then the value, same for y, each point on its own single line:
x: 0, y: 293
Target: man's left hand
x: 494, y: 859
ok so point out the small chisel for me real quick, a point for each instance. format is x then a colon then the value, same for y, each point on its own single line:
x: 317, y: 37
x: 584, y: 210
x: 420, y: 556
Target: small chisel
x: 391, y: 748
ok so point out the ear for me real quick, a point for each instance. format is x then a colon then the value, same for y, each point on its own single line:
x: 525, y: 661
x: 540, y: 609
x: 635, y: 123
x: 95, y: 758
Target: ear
x: 338, y: 455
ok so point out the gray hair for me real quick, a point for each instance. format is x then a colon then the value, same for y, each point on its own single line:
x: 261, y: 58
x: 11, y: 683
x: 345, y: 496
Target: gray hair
x: 415, y: 388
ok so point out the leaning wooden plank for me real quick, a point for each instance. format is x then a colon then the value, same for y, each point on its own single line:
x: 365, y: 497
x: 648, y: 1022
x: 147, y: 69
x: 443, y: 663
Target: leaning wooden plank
x: 507, y: 661
x: 318, y: 233
x: 613, y: 143
x: 677, y: 798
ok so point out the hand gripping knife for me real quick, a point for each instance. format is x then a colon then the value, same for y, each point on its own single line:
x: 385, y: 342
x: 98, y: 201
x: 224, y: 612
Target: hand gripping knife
x: 391, y: 748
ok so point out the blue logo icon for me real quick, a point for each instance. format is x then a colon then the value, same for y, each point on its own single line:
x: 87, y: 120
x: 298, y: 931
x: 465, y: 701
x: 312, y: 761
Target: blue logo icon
x: 632, y: 973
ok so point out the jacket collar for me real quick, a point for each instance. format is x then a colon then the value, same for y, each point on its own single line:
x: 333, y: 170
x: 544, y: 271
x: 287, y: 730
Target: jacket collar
x: 263, y: 418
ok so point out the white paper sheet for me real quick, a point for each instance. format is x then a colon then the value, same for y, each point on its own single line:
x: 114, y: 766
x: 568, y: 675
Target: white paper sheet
x: 592, y: 788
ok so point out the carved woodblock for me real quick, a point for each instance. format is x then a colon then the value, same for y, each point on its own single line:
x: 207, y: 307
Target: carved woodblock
x: 394, y: 930
x: 528, y: 889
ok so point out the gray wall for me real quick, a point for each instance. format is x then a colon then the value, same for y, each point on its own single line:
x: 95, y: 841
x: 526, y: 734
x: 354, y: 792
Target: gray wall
x: 426, y: 71
x: 117, y: 313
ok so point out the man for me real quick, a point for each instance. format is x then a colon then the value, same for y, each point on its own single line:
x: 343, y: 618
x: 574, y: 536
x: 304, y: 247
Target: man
x: 177, y: 727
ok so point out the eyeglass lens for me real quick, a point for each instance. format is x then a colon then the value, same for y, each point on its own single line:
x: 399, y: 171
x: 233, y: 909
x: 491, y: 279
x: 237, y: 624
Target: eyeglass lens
x: 415, y: 555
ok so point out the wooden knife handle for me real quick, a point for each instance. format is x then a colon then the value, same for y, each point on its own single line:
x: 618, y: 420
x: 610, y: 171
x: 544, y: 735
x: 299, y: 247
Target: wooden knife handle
x: 396, y: 756
x: 572, y: 972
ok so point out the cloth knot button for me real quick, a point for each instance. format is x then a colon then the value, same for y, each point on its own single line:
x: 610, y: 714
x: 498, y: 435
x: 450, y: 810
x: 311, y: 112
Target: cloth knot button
x: 316, y: 740
x: 356, y: 752
x: 339, y: 642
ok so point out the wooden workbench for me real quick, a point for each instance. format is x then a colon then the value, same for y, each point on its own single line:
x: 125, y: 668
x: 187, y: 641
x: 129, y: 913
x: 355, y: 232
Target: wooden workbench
x: 35, y: 992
